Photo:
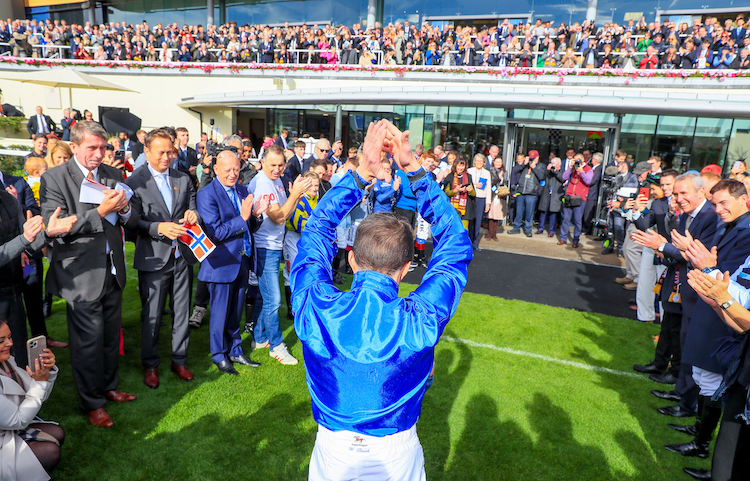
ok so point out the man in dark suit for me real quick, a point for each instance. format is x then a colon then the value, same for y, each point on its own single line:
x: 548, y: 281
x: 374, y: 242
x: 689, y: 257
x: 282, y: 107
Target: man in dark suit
x: 66, y: 122
x: 266, y: 50
x: 163, y: 199
x: 87, y: 267
x: 40, y: 123
x: 589, y: 209
x: 229, y: 218
x: 727, y: 251
x: 700, y: 221
x: 187, y: 158
x: 283, y: 140
x: 322, y: 148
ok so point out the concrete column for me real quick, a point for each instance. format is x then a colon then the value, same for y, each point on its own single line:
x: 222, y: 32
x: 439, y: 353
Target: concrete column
x: 591, y: 10
x: 222, y: 11
x: 372, y: 7
x: 339, y: 123
x: 209, y: 12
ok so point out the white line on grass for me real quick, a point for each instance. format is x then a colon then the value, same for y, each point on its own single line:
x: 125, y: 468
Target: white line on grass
x: 508, y: 350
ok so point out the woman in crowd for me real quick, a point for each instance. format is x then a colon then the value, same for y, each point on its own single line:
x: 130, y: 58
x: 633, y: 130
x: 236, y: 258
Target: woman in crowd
x: 30, y: 446
x: 738, y: 167
x: 460, y: 188
x: 500, y: 192
x: 59, y: 154
x: 671, y: 60
x: 483, y: 187
x: 644, y: 42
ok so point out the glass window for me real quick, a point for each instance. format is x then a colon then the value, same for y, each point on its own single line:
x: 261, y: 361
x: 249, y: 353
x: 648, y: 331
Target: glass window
x: 490, y: 128
x: 710, y: 142
x: 638, y: 124
x: 435, y: 126
x: 528, y: 114
x: 598, y: 117
x: 562, y: 115
x: 739, y: 143
x: 682, y: 126
x: 462, y: 130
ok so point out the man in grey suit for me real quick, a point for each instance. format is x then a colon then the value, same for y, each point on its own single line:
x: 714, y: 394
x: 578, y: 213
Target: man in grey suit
x: 163, y: 199
x: 87, y: 267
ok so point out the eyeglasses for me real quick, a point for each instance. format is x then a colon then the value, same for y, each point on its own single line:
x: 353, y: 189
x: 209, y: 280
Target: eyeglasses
x: 324, y: 150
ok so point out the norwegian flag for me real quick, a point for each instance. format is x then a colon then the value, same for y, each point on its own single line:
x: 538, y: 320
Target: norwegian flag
x: 197, y: 241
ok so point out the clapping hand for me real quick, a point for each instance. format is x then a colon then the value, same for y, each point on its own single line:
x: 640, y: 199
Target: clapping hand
x: 32, y: 228
x: 57, y: 226
x: 712, y: 290
x: 300, y: 186
x: 12, y: 191
x: 648, y: 239
x: 700, y: 256
x: 682, y: 242
x: 261, y: 206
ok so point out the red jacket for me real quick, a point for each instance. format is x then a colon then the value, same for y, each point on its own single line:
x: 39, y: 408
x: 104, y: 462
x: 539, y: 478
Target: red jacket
x: 578, y: 184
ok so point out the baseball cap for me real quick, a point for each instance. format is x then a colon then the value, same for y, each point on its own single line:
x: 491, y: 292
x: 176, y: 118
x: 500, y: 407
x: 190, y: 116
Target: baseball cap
x: 533, y: 154
x: 642, y: 167
x: 712, y: 168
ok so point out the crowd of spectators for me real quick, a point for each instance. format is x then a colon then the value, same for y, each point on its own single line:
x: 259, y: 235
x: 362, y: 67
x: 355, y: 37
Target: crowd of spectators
x: 710, y: 44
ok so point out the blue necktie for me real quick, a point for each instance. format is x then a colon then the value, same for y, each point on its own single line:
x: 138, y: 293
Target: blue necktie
x: 166, y: 193
x: 248, y: 246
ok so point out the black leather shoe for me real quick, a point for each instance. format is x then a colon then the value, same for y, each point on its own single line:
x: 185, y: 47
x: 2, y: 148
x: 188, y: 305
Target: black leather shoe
x: 676, y: 412
x: 691, y: 449
x: 226, y: 368
x: 647, y: 368
x: 666, y: 395
x: 665, y: 378
x: 698, y: 473
x: 244, y: 361
x: 690, y: 429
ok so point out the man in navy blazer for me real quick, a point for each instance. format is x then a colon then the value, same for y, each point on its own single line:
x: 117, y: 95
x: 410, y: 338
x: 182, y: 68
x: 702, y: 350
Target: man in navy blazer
x: 700, y: 221
x: 727, y: 251
x: 229, y: 219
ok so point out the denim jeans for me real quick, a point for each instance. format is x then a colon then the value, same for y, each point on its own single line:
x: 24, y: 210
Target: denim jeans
x: 524, y: 212
x: 267, y: 305
x: 577, y: 214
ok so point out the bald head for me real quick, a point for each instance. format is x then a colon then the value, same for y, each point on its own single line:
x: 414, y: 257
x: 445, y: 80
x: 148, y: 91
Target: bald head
x: 227, y: 168
x: 322, y: 147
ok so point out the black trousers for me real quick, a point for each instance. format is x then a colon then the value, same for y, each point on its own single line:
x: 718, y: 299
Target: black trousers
x: 668, y: 348
x: 588, y: 213
x: 11, y: 309
x: 172, y: 279
x: 94, y: 330
x: 202, y: 297
x: 33, y: 297
x: 730, y: 461
x: 685, y: 385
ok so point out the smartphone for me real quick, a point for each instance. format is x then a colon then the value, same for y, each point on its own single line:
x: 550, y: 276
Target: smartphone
x: 35, y: 348
x: 120, y: 155
x: 644, y: 192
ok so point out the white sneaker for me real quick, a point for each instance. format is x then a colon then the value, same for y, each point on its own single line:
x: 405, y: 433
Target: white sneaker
x: 281, y: 354
x: 254, y: 345
x: 197, y: 318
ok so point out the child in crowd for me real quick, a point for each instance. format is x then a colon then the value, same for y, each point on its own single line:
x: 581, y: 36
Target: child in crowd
x: 35, y: 167
x: 294, y: 227
x: 385, y: 192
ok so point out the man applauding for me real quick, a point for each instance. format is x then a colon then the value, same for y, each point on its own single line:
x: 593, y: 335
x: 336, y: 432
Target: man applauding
x: 369, y: 353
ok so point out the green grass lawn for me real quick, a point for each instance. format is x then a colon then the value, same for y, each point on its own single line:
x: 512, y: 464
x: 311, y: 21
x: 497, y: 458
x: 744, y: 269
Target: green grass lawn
x: 490, y: 415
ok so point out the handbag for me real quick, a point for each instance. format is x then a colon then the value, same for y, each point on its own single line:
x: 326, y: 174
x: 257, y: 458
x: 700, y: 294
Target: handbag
x: 573, y: 200
x: 503, y: 191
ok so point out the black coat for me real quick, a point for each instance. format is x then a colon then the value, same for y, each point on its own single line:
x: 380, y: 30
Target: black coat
x: 554, y: 183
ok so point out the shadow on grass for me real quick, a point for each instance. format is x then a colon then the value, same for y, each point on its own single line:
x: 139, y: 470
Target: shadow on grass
x: 490, y: 449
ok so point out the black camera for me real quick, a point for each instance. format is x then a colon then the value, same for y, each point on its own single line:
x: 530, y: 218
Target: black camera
x: 213, y: 148
x: 576, y: 163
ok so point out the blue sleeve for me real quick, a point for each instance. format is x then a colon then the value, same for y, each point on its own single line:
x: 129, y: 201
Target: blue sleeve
x: 317, y: 244
x: 447, y: 274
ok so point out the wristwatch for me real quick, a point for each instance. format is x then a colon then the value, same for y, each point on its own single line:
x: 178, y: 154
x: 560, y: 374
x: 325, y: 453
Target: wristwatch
x: 661, y: 247
x: 125, y: 210
x: 726, y: 305
x: 708, y: 270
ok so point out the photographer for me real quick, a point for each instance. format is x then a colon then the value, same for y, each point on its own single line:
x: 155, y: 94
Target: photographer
x: 579, y: 176
x: 530, y: 174
x: 624, y: 178
x: 631, y: 250
x: 550, y: 202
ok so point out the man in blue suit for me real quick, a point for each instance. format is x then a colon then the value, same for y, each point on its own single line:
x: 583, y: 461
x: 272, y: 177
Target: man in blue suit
x: 229, y: 219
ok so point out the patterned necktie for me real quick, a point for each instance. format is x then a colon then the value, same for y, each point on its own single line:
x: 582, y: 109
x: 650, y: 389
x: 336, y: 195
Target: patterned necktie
x: 91, y: 176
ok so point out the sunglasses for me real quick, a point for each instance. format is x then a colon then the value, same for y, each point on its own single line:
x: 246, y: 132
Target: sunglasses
x: 324, y: 150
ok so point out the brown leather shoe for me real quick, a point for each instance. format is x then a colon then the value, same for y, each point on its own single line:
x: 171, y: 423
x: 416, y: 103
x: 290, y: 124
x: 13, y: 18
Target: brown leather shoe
x: 51, y: 343
x: 574, y: 245
x: 562, y: 242
x: 100, y: 418
x: 119, y: 396
x: 182, y: 372
x: 151, y: 377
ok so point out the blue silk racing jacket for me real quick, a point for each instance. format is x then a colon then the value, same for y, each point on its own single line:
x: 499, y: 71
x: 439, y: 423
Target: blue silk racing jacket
x: 368, y: 353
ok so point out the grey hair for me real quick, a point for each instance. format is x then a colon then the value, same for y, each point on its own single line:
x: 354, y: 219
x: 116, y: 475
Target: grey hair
x: 80, y: 129
x: 598, y: 156
x: 694, y: 177
x: 232, y: 138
